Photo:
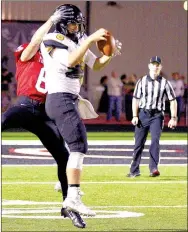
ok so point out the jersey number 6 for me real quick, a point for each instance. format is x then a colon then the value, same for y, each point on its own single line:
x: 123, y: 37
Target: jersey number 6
x: 40, y: 80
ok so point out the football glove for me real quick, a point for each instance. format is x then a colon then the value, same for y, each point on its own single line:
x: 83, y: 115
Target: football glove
x: 118, y: 45
x: 62, y: 14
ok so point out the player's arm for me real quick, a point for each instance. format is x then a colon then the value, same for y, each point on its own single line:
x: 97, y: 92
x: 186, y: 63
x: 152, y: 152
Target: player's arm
x: 104, y: 60
x: 77, y: 55
x: 37, y: 38
x: 101, y: 62
x: 34, y: 45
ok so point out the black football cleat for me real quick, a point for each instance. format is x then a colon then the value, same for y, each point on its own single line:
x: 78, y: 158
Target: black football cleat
x: 74, y: 216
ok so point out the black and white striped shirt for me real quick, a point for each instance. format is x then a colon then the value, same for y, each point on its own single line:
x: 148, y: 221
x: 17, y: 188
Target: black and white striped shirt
x: 153, y: 93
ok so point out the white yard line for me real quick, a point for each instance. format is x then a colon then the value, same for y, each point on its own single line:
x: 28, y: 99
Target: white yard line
x: 101, y: 207
x: 44, y: 152
x: 86, y: 165
x: 96, y: 142
x: 86, y: 156
x: 20, y: 202
x: 143, y: 206
x: 26, y: 157
x: 98, y: 182
x: 131, y: 149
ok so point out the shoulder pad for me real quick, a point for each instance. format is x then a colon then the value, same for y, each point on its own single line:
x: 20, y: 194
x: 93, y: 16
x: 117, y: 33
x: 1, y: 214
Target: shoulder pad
x: 59, y: 40
x: 55, y: 44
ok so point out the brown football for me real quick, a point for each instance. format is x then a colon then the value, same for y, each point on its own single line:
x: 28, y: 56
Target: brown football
x: 107, y: 47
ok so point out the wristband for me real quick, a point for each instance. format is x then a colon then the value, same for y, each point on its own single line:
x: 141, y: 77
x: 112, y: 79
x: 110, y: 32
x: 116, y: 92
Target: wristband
x: 135, y: 116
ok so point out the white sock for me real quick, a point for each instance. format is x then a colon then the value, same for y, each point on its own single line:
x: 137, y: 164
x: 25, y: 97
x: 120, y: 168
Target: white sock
x: 73, y: 192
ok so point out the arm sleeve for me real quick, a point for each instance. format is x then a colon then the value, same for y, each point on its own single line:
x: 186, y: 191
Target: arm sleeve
x: 169, y: 91
x: 90, y: 59
x: 138, y: 89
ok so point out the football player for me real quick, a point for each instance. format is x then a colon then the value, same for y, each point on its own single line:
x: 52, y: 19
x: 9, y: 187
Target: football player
x: 29, y: 110
x: 65, y: 54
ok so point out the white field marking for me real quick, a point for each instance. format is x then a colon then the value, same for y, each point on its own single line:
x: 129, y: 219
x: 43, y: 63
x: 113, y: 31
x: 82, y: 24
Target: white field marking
x: 129, y: 149
x: 103, y: 207
x: 44, y: 152
x: 87, y: 165
x: 26, y: 157
x: 21, y: 202
x: 143, y: 206
x: 118, y: 215
x: 44, y: 211
x: 26, y: 210
x: 107, y: 214
x: 96, y: 142
x: 10, y: 212
x: 130, y: 157
x: 99, y: 182
x: 86, y: 156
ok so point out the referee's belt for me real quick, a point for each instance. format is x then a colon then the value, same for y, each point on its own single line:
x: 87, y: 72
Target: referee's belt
x: 152, y: 111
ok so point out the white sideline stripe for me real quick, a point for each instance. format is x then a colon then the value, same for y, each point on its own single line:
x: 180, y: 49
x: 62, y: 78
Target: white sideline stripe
x: 86, y: 165
x: 102, y: 182
x: 104, y: 207
x: 88, y: 156
x: 96, y: 142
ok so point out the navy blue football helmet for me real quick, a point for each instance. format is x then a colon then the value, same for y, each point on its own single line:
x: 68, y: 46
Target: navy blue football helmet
x: 70, y: 14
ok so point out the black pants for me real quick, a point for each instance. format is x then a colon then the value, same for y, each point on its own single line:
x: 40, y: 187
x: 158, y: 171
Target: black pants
x: 153, y: 122
x: 30, y: 115
x: 62, y: 109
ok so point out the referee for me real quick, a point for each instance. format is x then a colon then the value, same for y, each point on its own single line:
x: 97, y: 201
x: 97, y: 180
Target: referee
x: 148, y: 108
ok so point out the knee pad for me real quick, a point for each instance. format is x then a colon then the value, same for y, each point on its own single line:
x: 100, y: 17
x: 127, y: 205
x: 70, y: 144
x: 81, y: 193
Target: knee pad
x: 75, y: 160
